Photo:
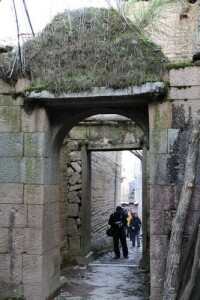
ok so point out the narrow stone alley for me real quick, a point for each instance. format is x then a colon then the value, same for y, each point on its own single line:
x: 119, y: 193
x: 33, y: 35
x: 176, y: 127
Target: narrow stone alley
x: 107, y: 278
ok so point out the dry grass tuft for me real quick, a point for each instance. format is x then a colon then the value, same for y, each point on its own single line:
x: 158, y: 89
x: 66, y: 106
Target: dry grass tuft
x: 89, y: 48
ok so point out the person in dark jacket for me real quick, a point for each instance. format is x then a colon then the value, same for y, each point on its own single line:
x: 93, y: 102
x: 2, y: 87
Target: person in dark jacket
x: 118, y: 222
x: 135, y: 229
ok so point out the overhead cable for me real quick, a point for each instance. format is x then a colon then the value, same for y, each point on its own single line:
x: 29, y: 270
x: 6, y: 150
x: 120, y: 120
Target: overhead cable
x: 18, y: 34
x: 28, y: 17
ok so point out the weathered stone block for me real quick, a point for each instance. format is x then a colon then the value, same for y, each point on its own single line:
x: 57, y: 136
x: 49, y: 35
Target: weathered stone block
x: 11, y: 169
x: 22, y: 84
x: 14, y: 215
x: 51, y: 237
x: 51, y: 213
x: 10, y: 118
x: 35, y: 215
x: 73, y: 145
x: 158, y: 272
x: 33, y: 291
x: 157, y: 222
x: 76, y: 167
x: 74, y: 178
x: 37, y: 121
x: 72, y: 229
x: 79, y: 134
x: 32, y: 269
x: 189, y: 76
x: 51, y: 174
x: 167, y: 169
x: 74, y: 244
x: 33, y: 240
x: 11, y: 193
x: 3, y: 240
x: 160, y: 115
x: 51, y: 193
x: 168, y: 218
x: 11, y: 144
x: 34, y: 144
x: 159, y: 245
x: 162, y: 197
x: 5, y: 88
x: 73, y: 197
x: 184, y: 93
x: 192, y: 220
x: 7, y: 273
x: 9, y: 289
x: 54, y: 283
x: 40, y: 194
x: 73, y: 210
x: 26, y: 240
x: 33, y: 170
x: 172, y: 137
x: 51, y: 263
x: 75, y: 155
x: 6, y: 100
x: 70, y: 171
x: 75, y: 187
x: 158, y: 140
x: 33, y: 194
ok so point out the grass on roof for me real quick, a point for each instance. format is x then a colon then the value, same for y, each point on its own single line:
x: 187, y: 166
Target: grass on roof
x: 89, y: 48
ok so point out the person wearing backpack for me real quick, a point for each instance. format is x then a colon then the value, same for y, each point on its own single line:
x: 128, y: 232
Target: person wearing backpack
x: 118, y: 221
x: 135, y: 229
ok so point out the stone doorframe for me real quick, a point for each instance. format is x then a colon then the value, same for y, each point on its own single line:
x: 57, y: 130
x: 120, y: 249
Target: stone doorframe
x: 59, y: 129
x: 86, y: 252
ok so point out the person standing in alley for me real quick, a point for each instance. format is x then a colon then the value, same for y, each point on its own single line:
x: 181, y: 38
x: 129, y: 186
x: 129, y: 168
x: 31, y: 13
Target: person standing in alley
x: 135, y: 229
x: 118, y: 221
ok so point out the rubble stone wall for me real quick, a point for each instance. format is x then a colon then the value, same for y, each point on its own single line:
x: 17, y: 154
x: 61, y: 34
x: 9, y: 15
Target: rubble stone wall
x: 105, y: 181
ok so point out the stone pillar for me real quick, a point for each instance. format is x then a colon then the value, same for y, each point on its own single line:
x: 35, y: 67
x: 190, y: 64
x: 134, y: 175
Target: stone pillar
x: 160, y: 121
x: 170, y: 129
x: 29, y: 225
x: 41, y: 268
x: 13, y: 211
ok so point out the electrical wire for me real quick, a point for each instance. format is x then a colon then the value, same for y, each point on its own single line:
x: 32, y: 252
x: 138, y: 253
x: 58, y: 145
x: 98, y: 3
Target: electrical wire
x: 18, y: 35
x: 28, y: 16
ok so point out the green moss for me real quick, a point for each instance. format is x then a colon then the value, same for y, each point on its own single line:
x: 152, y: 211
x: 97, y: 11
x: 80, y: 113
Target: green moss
x: 11, y: 116
x: 31, y: 146
x: 179, y: 65
x: 66, y: 262
x: 37, y: 88
x: 6, y: 100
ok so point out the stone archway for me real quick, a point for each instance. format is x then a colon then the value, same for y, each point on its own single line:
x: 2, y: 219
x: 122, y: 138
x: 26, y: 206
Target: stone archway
x: 30, y: 183
x: 60, y: 120
x: 85, y: 139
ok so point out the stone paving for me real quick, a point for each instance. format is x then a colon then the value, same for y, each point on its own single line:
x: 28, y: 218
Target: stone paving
x: 107, y: 278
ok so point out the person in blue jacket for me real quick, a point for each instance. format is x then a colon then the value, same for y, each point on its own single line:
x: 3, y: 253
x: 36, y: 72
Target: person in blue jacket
x: 118, y: 221
x: 135, y: 225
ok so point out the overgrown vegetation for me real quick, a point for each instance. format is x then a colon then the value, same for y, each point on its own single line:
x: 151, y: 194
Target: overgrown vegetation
x: 179, y: 65
x: 87, y: 48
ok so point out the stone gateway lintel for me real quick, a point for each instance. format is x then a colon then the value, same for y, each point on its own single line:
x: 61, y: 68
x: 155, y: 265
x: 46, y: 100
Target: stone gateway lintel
x: 144, y: 93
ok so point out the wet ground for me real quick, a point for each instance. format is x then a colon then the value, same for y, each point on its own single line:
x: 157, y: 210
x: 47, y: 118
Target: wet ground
x: 107, y: 278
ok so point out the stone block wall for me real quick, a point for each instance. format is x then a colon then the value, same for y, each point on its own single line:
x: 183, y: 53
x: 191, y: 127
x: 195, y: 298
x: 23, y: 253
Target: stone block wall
x: 170, y: 129
x: 29, y: 231
x: 177, y: 30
